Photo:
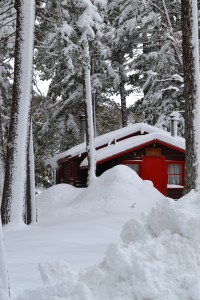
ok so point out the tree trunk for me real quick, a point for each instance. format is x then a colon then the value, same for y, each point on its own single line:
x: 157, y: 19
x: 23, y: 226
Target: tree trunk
x: 30, y: 212
x: 15, y: 173
x: 191, y: 93
x: 122, y: 90
x: 4, y: 280
x: 88, y: 99
x: 2, y: 160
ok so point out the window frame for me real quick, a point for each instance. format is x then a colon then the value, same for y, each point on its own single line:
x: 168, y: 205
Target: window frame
x: 173, y: 162
x: 133, y: 162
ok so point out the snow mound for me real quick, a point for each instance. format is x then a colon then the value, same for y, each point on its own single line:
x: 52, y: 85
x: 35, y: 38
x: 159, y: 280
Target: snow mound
x: 55, y: 197
x: 118, y: 190
x: 3, y: 296
x: 159, y: 258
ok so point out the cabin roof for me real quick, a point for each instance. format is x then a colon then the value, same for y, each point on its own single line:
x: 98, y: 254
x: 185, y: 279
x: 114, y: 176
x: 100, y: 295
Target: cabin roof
x: 113, y: 145
x: 133, y: 143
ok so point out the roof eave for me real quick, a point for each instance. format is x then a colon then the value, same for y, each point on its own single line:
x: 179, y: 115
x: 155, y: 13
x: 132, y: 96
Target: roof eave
x: 136, y: 148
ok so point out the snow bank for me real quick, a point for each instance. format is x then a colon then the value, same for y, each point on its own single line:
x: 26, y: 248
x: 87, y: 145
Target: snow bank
x: 56, y: 197
x: 76, y: 225
x: 158, y: 258
x: 119, y: 190
x: 3, y: 296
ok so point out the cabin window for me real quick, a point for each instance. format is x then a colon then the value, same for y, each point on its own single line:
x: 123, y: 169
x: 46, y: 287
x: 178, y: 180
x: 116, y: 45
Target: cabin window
x: 175, y: 174
x: 134, y: 167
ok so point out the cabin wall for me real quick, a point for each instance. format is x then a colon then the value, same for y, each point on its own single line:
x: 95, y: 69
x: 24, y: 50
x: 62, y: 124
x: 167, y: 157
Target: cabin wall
x: 70, y: 172
x: 63, y: 173
x: 174, y: 193
x: 80, y: 176
x: 169, y: 153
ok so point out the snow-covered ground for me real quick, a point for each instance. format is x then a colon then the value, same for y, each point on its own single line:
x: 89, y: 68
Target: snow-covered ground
x: 81, y: 250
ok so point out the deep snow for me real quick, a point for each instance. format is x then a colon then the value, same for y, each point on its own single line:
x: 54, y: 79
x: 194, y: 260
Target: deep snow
x: 118, y: 239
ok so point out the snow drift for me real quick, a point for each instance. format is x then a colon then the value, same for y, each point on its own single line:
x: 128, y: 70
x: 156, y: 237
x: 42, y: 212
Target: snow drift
x: 158, y: 256
x: 55, y: 197
x: 77, y: 225
x: 119, y: 190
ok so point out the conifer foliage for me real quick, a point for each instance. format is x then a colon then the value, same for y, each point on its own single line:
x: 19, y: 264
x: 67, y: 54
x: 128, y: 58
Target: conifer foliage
x: 122, y: 45
x: 159, y: 65
x: 77, y: 36
x: 7, y: 30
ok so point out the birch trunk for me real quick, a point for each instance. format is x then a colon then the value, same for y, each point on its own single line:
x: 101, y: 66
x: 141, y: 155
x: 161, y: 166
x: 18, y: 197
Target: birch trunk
x: 191, y: 93
x: 88, y: 99
x: 15, y: 174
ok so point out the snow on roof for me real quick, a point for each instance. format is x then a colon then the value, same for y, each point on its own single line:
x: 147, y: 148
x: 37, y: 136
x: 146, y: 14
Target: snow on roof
x: 133, y: 142
x: 108, y: 138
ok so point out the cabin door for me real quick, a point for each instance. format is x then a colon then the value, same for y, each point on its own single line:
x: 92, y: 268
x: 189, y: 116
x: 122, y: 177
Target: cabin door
x: 153, y: 168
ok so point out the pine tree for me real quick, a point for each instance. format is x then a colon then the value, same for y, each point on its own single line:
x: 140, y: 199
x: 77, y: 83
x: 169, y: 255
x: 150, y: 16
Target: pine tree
x: 152, y: 31
x: 7, y: 29
x: 55, y: 129
x: 127, y: 18
x: 63, y: 54
x: 160, y: 65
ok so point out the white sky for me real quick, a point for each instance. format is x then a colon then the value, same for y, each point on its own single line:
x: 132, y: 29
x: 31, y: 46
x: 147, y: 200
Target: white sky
x: 130, y: 99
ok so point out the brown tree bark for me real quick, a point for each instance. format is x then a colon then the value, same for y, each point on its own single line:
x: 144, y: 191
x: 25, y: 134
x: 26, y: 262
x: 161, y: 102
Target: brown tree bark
x: 122, y: 89
x: 15, y: 173
x: 190, y: 95
x: 2, y: 158
x: 6, y: 199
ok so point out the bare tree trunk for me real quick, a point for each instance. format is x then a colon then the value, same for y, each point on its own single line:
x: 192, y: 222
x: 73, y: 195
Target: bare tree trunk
x: 2, y: 160
x: 15, y: 174
x: 30, y: 181
x: 94, y: 96
x: 191, y: 93
x: 122, y: 89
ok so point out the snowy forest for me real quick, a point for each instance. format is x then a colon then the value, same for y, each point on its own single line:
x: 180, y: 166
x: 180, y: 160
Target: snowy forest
x: 85, y: 54
x: 134, y: 46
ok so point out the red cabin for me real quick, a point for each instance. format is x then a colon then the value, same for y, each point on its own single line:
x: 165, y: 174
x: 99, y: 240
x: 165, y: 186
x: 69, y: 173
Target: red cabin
x: 151, y: 152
